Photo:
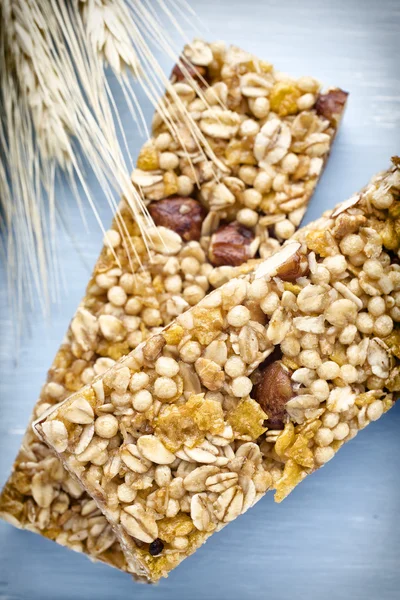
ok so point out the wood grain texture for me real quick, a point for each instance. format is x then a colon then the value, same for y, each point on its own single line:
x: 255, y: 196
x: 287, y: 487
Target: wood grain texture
x: 338, y: 535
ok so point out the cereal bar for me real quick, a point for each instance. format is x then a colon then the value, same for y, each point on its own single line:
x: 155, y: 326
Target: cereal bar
x: 270, y: 136
x: 252, y: 389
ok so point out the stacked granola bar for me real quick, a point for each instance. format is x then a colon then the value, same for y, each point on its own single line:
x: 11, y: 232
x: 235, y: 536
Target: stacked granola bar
x: 236, y: 196
x: 252, y: 389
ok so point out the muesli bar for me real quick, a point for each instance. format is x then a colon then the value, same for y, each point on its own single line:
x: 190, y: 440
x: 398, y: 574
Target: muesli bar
x: 270, y: 136
x: 251, y: 390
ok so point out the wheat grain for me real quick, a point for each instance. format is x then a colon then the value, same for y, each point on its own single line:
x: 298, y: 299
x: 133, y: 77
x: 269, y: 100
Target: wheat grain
x: 109, y: 35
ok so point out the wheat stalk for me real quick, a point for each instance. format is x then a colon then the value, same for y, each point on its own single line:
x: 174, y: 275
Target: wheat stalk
x: 53, y: 60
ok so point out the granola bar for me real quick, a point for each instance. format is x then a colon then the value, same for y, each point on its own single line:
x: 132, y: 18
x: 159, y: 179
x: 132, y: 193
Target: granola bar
x: 253, y: 389
x: 270, y: 136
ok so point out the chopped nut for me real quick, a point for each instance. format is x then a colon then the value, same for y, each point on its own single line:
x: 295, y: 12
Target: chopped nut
x: 230, y: 245
x: 145, y: 179
x: 279, y: 325
x: 330, y: 105
x: 183, y: 215
x: 248, y: 345
x: 341, y: 399
x: 294, y: 267
x: 346, y: 224
x: 181, y: 72
x: 112, y: 328
x: 273, y: 392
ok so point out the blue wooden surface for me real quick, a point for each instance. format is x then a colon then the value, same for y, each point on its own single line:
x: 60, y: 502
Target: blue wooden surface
x: 338, y: 535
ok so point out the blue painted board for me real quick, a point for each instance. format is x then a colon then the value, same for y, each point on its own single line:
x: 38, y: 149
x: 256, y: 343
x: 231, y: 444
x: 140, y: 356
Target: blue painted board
x: 338, y: 535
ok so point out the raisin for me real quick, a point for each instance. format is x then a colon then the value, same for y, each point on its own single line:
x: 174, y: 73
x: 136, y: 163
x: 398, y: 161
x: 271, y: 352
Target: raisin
x: 156, y: 547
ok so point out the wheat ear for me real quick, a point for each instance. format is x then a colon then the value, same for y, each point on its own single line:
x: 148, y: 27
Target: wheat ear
x: 55, y: 65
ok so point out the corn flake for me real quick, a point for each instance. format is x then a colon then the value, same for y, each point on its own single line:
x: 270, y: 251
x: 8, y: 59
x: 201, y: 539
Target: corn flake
x: 283, y: 98
x: 208, y: 323
x: 187, y: 423
x: 172, y: 527
x: 292, y: 475
x: 247, y: 419
x: 285, y: 439
x: 301, y: 453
